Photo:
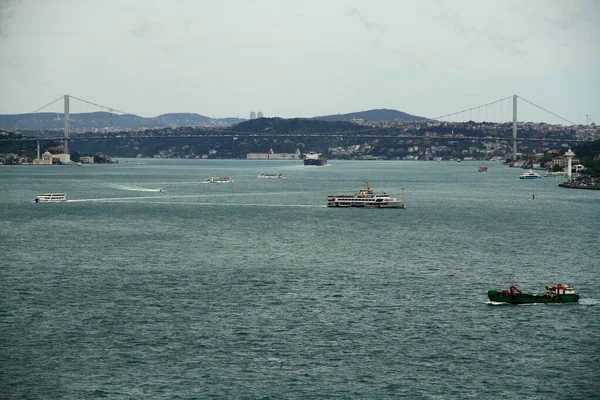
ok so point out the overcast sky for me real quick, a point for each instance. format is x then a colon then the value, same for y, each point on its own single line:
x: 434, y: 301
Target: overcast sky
x: 301, y: 58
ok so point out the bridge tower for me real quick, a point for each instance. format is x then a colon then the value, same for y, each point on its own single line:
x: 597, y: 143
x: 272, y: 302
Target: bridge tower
x: 67, y: 117
x: 514, y: 128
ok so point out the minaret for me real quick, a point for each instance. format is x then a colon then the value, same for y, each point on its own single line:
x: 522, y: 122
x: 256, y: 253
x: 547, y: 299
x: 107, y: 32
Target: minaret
x: 569, y: 154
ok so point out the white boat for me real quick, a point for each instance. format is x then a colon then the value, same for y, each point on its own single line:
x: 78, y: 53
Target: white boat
x: 270, y: 175
x: 530, y: 175
x: 366, y: 199
x: 218, y: 179
x: 558, y: 174
x: 50, y: 197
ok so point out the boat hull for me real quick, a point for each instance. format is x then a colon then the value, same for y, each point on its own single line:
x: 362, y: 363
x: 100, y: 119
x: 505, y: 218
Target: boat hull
x: 528, y: 298
x: 529, y: 177
x: 391, y: 204
x: 318, y: 163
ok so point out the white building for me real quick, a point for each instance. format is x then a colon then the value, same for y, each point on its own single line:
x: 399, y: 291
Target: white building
x: 270, y: 155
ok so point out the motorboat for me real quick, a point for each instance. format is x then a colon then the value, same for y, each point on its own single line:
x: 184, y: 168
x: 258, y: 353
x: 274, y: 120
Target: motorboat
x: 530, y: 175
x: 270, y: 175
x: 218, y: 179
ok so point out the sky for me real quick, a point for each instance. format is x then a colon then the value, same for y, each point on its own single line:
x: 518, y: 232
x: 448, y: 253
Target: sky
x: 304, y: 58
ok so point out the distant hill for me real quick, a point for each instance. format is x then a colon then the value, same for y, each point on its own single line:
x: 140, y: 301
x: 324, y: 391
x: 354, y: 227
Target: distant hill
x: 105, y: 120
x: 293, y: 125
x: 373, y: 115
x: 101, y: 120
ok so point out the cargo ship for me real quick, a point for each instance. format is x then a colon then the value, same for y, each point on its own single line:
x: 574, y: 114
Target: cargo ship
x: 365, y: 199
x: 556, y: 293
x: 312, y: 158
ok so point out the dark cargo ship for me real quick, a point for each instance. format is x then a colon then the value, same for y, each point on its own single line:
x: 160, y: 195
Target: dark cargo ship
x: 313, y: 158
x: 557, y: 293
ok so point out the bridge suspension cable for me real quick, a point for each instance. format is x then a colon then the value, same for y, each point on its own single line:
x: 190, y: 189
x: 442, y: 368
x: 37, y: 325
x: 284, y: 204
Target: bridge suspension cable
x: 101, y: 106
x: 549, y: 112
x: 473, y: 108
x: 52, y: 102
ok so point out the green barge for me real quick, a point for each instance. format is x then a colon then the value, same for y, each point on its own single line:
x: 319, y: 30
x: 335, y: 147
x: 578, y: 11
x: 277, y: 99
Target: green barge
x: 557, y: 293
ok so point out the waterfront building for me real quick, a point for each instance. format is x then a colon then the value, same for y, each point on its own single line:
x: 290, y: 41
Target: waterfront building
x: 271, y: 155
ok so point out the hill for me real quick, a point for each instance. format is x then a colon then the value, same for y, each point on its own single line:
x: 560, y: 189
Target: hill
x: 293, y: 125
x: 373, y: 115
x: 105, y: 120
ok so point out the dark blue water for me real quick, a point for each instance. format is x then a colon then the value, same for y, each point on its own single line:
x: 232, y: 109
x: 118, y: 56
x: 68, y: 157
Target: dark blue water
x: 255, y: 289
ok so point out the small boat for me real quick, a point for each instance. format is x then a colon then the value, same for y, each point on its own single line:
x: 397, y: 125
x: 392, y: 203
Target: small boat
x: 50, y: 198
x: 218, y: 179
x: 559, y: 174
x: 530, y: 175
x: 270, y: 175
x: 79, y: 164
x: 313, y: 158
x: 483, y: 168
x: 556, y: 293
x: 366, y: 199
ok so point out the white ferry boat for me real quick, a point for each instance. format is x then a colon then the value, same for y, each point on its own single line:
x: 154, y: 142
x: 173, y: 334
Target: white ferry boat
x: 270, y: 175
x: 530, y: 175
x: 366, y: 199
x: 218, y: 179
x: 50, y: 197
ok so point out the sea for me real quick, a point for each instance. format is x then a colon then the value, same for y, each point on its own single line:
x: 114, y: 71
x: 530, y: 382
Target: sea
x: 255, y: 289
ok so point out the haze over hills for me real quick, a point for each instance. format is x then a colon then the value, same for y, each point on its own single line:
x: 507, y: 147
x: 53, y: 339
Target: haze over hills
x: 382, y: 114
x: 108, y: 121
x: 105, y: 120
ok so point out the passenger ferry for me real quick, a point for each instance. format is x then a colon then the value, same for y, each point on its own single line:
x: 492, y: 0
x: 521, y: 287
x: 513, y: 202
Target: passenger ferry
x: 50, y: 198
x: 366, y: 199
x: 270, y: 175
x: 218, y: 179
x: 530, y: 175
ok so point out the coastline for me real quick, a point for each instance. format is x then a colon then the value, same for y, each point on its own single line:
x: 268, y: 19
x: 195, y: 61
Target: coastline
x: 578, y: 186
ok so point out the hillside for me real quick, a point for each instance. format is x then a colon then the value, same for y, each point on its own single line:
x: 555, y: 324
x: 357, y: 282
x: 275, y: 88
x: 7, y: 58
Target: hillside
x: 373, y: 115
x: 105, y: 120
x: 112, y: 122
x: 293, y: 125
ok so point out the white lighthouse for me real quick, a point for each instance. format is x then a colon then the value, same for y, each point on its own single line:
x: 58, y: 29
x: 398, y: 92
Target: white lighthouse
x: 569, y: 154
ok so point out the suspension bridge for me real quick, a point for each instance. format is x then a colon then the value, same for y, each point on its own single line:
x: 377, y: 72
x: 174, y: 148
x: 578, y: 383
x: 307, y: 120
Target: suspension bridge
x: 373, y: 133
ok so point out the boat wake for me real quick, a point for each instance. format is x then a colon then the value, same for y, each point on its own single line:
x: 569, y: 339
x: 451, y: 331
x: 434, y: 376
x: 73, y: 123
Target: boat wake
x: 589, y: 302
x: 161, y: 200
x: 136, y: 188
x: 497, y: 303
